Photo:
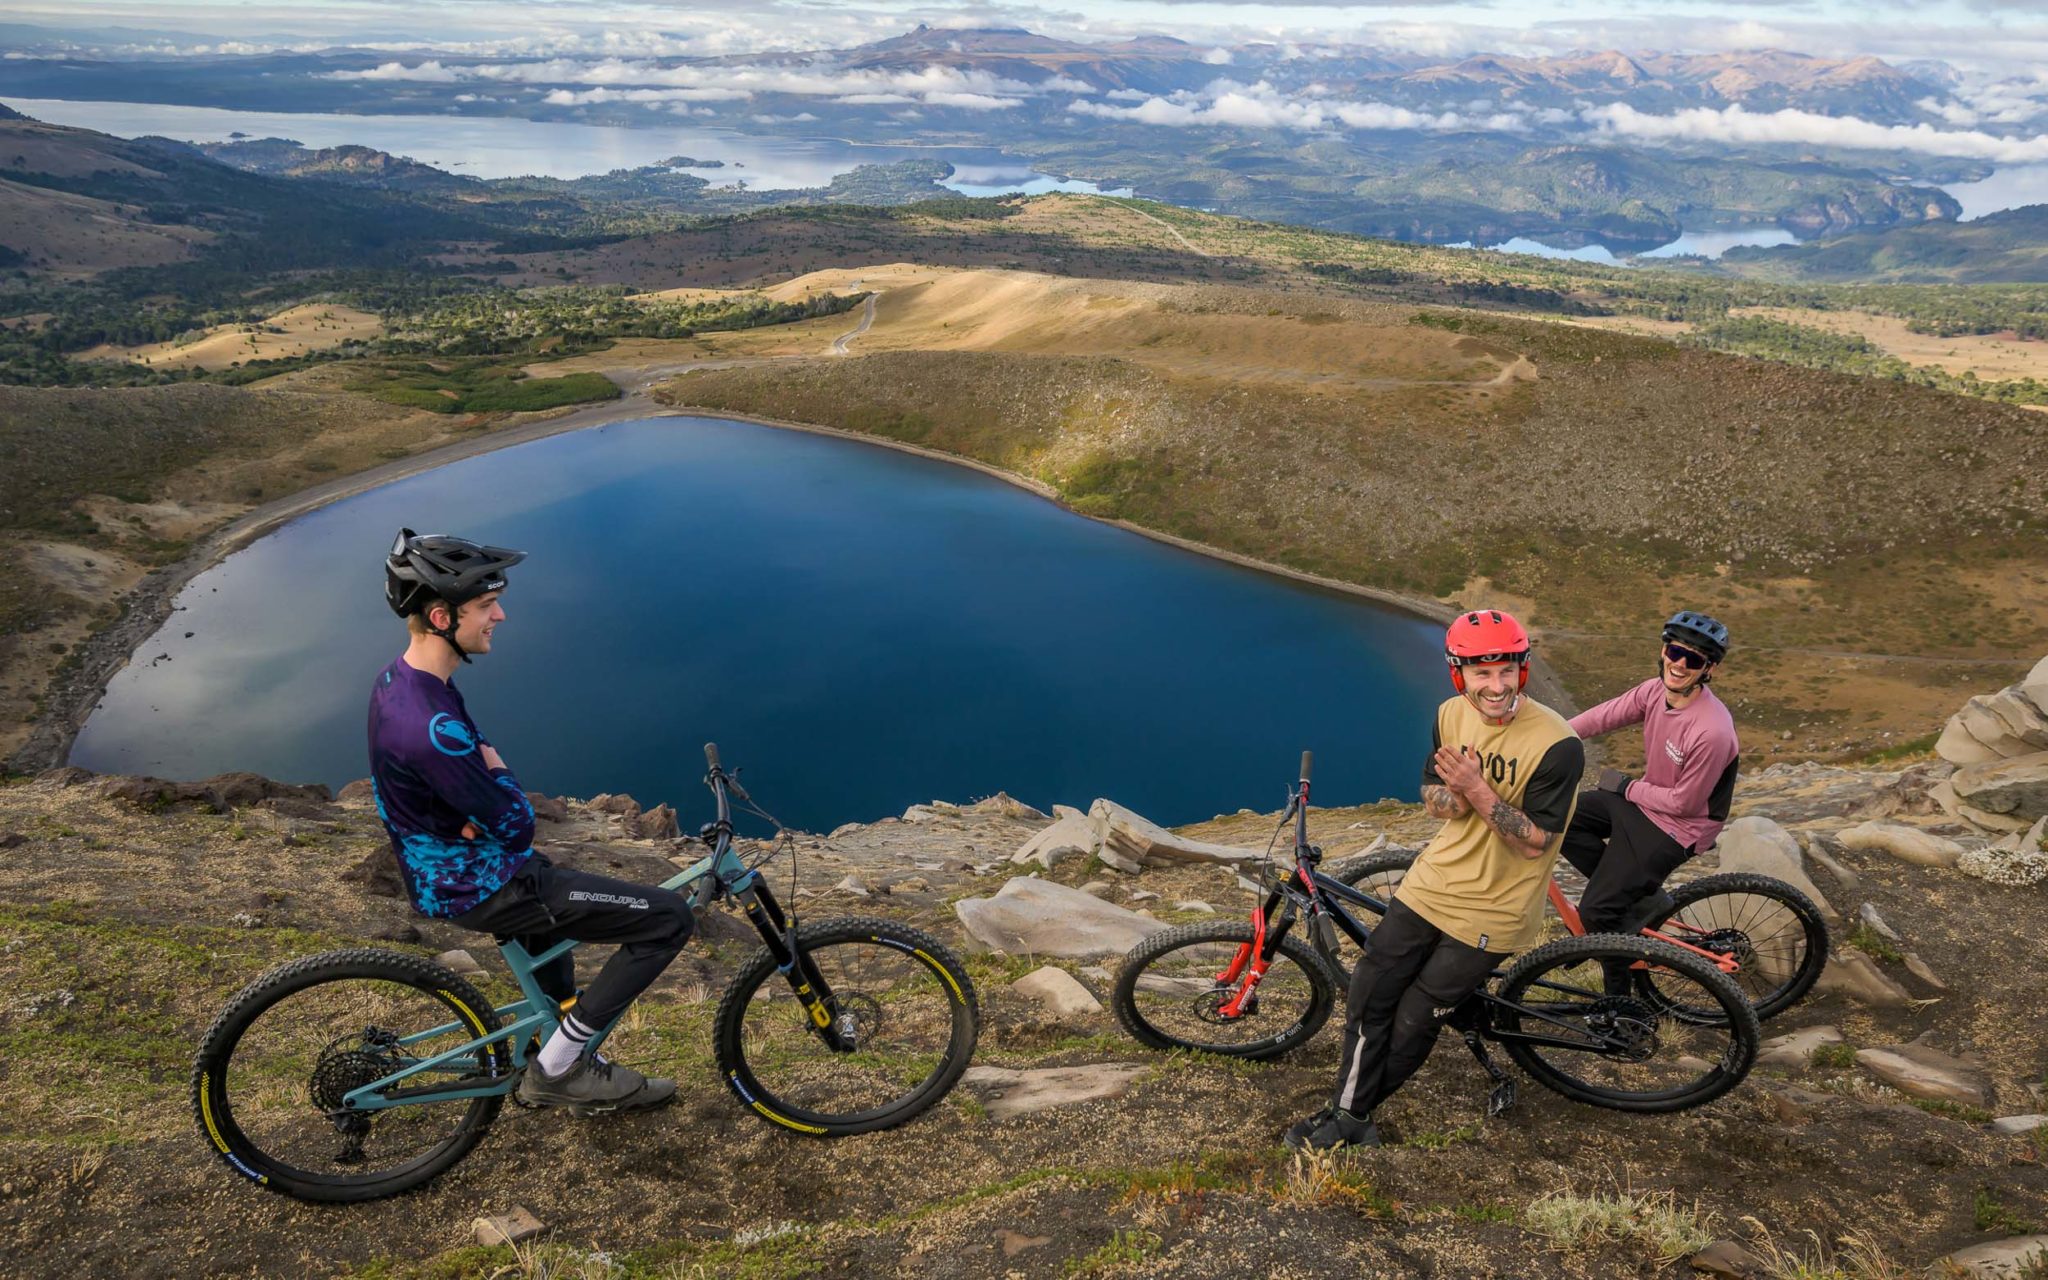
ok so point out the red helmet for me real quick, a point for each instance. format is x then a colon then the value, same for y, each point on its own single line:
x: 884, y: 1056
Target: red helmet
x: 1487, y: 635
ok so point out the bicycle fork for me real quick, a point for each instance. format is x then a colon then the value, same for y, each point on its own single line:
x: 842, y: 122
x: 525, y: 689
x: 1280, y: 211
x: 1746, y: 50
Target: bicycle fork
x: 796, y: 966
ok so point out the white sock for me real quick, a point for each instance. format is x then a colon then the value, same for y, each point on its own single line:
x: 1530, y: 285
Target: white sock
x: 564, y: 1046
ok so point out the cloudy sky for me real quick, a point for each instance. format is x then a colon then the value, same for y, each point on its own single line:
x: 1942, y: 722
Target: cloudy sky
x: 1992, y: 35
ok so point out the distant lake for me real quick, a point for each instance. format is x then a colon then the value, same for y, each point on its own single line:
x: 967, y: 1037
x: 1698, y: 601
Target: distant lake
x: 861, y: 628
x: 506, y: 147
x: 2008, y: 188
x: 1705, y: 243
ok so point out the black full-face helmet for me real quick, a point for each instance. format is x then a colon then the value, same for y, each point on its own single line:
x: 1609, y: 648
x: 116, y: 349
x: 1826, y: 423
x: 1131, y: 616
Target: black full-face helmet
x: 436, y: 566
x: 1698, y: 631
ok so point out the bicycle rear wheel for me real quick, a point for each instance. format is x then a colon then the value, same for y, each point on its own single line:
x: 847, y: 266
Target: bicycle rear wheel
x: 1625, y: 1052
x: 1377, y: 874
x: 901, y: 1004
x: 1776, y: 934
x: 271, y: 1072
x: 1169, y: 997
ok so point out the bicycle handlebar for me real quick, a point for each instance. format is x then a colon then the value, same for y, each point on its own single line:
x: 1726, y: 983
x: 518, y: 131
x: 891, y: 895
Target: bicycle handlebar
x: 1308, y: 759
x: 711, y: 754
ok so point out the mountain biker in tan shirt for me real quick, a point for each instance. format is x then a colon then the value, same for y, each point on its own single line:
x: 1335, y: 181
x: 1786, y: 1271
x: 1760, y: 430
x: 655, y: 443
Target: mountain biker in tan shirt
x: 1504, y: 777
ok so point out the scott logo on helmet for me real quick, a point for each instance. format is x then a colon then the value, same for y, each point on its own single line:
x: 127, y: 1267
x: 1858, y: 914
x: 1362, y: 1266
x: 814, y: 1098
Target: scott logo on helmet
x: 450, y: 736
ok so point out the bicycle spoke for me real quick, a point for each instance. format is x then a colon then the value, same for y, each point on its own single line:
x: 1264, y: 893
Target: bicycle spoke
x: 1178, y: 997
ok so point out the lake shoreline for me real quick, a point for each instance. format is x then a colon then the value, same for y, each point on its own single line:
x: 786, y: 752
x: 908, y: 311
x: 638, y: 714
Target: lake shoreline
x: 150, y: 603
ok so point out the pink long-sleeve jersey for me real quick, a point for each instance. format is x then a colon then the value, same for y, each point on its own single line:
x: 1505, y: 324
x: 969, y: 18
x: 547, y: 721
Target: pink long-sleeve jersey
x: 1687, y: 779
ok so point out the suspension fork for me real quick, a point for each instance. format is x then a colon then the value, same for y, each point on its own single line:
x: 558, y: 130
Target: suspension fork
x: 1248, y: 967
x: 795, y: 965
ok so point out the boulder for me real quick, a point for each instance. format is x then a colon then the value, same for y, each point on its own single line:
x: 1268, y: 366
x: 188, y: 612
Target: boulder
x: 1993, y: 726
x: 1759, y: 845
x: 377, y: 872
x: 2018, y: 1124
x: 1867, y: 914
x: 222, y: 793
x: 1149, y: 844
x: 1843, y: 876
x: 1795, y: 1050
x: 1008, y: 1092
x: 658, y: 823
x: 460, y: 963
x: 1059, y: 991
x: 2007, y: 1259
x: 361, y: 791
x: 1927, y: 1072
x: 853, y: 885
x: 2016, y: 787
x: 1003, y: 804
x: 1098, y: 889
x: 1728, y: 1259
x: 1067, y: 838
x: 547, y: 808
x: 2034, y: 686
x: 1924, y: 972
x: 622, y: 805
x: 1851, y: 973
x: 1037, y: 917
x: 1907, y: 844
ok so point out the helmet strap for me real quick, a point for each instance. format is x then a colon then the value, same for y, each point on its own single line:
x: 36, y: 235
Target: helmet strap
x: 448, y: 633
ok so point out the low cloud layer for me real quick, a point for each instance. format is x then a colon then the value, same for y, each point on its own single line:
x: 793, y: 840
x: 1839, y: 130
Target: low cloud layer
x: 1733, y: 125
x: 1260, y: 106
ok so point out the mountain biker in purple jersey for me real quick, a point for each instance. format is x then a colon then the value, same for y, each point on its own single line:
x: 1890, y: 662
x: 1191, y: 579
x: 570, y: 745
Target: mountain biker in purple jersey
x: 462, y: 830
x: 1630, y: 833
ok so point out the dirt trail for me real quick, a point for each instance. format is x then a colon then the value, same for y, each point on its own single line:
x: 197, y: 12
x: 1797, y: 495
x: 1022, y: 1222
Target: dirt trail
x: 867, y: 319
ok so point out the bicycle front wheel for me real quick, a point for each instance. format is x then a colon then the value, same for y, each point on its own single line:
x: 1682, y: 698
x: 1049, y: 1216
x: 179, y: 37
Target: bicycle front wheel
x: 1776, y: 935
x: 1169, y: 993
x: 903, y: 1016
x: 271, y: 1073
x: 1625, y: 1052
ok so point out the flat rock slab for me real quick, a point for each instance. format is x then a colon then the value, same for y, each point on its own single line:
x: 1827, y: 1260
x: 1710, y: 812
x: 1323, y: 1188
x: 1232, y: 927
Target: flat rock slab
x: 1059, y: 991
x: 1145, y: 842
x: 1761, y: 846
x: 1998, y: 1260
x: 1727, y: 1258
x: 1851, y: 973
x: 1008, y: 1092
x: 1067, y: 838
x: 1029, y: 916
x: 2018, y: 1124
x: 2016, y: 788
x: 505, y: 1228
x: 1907, y: 844
x: 1796, y: 1049
x: 1927, y: 1072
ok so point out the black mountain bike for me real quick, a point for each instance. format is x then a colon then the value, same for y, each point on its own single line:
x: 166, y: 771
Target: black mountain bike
x: 362, y: 1073
x: 1682, y: 1035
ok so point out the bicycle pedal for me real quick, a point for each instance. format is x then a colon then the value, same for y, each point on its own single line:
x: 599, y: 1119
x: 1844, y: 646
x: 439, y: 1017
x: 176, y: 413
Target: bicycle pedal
x: 1502, y: 1097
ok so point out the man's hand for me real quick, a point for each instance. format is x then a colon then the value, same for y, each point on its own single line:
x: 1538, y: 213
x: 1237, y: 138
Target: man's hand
x: 469, y: 831
x: 492, y: 760
x: 1463, y: 774
x: 1614, y: 780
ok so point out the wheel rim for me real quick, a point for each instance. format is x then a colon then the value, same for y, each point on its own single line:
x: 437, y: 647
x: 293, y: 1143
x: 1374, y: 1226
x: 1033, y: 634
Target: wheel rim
x: 1379, y: 883
x: 1766, y: 937
x: 278, y: 1094
x: 1178, y: 998
x: 1629, y: 1047
x: 899, y: 1010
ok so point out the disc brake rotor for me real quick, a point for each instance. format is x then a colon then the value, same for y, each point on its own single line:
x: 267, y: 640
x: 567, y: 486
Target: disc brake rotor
x: 1208, y: 1007
x: 859, y: 1019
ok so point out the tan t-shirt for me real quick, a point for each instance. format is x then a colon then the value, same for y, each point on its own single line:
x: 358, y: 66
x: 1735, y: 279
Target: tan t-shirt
x: 1469, y: 882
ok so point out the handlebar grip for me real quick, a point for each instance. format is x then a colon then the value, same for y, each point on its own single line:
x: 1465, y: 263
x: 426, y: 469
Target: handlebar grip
x: 711, y: 754
x: 1308, y: 760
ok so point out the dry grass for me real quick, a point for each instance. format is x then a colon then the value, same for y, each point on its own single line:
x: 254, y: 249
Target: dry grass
x: 78, y: 235
x: 315, y: 326
x: 1654, y: 1220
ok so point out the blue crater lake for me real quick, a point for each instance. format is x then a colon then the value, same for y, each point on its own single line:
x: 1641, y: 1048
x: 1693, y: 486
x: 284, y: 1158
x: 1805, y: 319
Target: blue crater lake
x: 860, y: 627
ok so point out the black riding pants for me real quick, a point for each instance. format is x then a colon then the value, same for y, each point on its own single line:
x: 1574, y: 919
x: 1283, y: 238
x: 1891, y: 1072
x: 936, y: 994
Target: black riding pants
x: 1623, y: 855
x: 545, y: 904
x: 1407, y: 984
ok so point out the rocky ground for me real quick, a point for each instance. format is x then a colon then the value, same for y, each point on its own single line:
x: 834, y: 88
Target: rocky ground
x: 1873, y: 1144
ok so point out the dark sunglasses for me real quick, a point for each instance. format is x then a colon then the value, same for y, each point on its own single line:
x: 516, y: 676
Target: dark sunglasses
x: 1679, y: 653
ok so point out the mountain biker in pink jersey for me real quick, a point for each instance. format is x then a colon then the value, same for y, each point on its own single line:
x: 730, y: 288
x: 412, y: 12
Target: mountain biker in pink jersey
x: 1630, y: 833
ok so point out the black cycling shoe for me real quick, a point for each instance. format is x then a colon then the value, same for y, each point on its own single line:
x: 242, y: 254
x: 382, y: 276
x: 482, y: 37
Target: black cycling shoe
x: 593, y: 1086
x: 1332, y: 1128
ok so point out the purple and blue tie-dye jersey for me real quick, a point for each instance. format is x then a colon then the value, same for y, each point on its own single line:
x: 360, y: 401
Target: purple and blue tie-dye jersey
x: 427, y: 765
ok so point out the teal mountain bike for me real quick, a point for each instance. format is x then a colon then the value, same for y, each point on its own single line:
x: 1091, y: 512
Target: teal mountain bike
x: 363, y: 1073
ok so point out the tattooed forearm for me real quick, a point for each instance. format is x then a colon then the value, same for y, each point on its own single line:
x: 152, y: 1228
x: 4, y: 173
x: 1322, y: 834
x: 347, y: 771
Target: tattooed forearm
x: 1515, y: 825
x: 1444, y: 803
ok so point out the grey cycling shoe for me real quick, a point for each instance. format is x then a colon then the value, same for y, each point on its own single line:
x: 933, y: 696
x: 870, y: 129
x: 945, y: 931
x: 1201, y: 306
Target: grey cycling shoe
x: 1331, y: 1128
x: 593, y: 1086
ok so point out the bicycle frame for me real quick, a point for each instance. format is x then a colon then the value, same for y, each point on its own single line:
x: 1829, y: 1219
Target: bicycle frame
x: 1306, y: 891
x: 718, y: 875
